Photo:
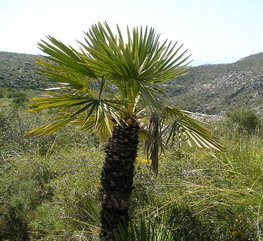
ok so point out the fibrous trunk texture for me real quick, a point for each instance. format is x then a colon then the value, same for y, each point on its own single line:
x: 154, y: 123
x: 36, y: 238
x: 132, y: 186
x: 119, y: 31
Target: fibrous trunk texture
x: 117, y: 178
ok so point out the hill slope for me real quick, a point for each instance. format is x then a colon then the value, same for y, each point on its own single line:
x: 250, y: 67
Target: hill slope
x: 19, y: 71
x: 217, y: 88
x: 211, y: 89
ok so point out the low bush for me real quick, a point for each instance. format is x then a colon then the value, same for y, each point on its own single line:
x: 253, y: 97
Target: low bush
x: 24, y: 187
x: 247, y: 120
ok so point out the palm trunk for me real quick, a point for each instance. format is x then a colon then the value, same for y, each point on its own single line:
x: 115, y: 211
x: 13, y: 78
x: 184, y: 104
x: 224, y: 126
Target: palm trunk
x: 117, y: 178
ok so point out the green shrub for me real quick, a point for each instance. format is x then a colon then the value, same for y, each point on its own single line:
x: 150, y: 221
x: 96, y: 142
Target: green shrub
x: 48, y: 223
x: 20, y: 98
x: 247, y: 120
x: 16, y: 122
x: 23, y: 189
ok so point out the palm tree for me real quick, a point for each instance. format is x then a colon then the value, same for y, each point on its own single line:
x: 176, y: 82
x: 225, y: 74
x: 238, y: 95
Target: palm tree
x: 113, y: 88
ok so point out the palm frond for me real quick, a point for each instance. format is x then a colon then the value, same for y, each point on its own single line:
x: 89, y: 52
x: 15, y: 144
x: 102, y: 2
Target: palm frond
x: 97, y: 120
x: 180, y: 122
x: 59, y: 101
x: 64, y: 56
x: 92, y: 113
x: 61, y: 74
x: 174, y: 124
x: 138, y: 62
x: 49, y: 128
x: 152, y: 142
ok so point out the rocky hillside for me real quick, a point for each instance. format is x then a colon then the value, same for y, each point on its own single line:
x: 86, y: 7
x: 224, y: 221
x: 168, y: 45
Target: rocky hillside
x: 211, y: 89
x: 19, y: 71
x: 214, y: 89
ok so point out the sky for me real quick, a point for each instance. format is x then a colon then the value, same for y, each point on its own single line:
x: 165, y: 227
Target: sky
x: 213, y: 31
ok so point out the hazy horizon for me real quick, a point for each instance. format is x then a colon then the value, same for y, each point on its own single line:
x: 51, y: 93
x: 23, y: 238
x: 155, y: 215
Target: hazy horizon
x: 40, y: 54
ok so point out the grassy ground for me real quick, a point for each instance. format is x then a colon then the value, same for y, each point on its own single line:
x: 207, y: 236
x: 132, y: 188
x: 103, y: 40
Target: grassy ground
x: 50, y: 186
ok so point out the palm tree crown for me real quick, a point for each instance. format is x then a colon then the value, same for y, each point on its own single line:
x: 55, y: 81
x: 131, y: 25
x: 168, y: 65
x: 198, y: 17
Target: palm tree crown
x: 109, y: 80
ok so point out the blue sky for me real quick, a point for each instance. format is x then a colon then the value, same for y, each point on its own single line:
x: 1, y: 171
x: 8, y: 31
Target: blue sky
x: 214, y: 31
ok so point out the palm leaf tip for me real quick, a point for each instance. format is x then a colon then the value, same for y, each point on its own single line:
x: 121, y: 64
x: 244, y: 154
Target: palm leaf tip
x: 181, y: 123
x: 49, y: 128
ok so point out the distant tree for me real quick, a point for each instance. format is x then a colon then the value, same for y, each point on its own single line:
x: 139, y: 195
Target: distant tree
x: 110, y: 87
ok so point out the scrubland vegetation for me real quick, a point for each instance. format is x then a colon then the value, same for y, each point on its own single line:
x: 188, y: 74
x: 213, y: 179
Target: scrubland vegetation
x: 50, y: 187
